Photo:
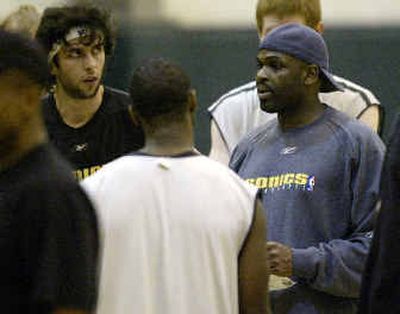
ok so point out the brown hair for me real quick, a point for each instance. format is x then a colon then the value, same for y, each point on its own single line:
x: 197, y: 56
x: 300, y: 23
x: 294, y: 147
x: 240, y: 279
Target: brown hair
x: 309, y: 9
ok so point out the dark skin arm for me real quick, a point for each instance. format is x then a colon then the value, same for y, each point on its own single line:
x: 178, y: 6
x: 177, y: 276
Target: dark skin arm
x: 253, y: 269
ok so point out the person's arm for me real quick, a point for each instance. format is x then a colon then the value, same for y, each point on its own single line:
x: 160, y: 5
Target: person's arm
x: 219, y: 151
x: 372, y: 117
x: 336, y: 266
x: 253, y: 267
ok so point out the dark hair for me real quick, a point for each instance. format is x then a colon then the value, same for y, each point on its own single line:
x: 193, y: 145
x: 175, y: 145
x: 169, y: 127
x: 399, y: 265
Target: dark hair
x: 57, y: 21
x: 18, y: 52
x: 159, y: 87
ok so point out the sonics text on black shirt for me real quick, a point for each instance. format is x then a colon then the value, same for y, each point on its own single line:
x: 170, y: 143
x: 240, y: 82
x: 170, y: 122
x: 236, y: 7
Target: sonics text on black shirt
x: 109, y: 134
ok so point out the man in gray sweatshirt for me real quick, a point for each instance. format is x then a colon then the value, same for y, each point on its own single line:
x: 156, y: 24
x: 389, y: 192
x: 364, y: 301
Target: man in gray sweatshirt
x: 319, y: 172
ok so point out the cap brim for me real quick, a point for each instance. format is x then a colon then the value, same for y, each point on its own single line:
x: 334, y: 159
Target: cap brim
x: 328, y: 83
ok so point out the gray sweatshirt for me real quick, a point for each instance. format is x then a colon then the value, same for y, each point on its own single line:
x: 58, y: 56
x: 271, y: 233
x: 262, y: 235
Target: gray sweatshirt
x: 320, y: 187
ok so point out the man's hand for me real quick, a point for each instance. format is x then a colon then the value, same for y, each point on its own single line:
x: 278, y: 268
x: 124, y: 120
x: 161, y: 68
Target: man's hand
x: 279, y: 259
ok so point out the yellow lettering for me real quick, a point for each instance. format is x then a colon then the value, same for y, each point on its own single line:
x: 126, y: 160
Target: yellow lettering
x: 301, y: 178
x: 81, y: 174
x: 281, y: 179
x: 273, y: 182
x: 251, y: 181
x: 94, y: 169
x: 262, y: 182
x: 289, y: 178
x: 78, y: 175
x: 86, y: 172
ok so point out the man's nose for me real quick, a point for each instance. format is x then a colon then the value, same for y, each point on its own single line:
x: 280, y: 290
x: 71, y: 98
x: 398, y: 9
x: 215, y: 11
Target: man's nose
x: 262, y: 74
x: 90, y: 61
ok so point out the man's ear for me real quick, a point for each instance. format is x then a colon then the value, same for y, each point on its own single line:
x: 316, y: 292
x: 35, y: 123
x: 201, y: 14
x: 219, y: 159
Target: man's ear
x: 53, y: 68
x: 311, y: 74
x: 192, y: 100
x: 319, y: 27
x: 133, y: 115
x: 53, y: 64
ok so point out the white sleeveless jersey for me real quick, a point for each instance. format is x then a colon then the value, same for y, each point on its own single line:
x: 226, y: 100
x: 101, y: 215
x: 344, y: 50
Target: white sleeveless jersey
x: 238, y: 112
x: 172, y: 231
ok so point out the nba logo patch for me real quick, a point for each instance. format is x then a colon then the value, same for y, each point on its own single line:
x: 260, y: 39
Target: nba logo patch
x: 310, y: 183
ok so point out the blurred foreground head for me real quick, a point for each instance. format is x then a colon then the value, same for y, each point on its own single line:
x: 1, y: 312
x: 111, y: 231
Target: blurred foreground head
x: 24, y: 75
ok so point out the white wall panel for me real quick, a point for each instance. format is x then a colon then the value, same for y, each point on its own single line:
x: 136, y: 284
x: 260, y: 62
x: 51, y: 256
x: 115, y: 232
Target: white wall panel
x: 222, y: 13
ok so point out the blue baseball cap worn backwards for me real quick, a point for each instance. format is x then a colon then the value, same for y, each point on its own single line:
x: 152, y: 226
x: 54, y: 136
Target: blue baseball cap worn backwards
x: 303, y: 43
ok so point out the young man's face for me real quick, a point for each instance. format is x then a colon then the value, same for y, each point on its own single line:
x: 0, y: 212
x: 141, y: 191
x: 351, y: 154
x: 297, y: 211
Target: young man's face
x: 272, y: 21
x: 80, y: 66
x: 279, y: 81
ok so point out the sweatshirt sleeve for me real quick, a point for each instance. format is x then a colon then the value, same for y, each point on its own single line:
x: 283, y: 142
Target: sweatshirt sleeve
x: 336, y: 267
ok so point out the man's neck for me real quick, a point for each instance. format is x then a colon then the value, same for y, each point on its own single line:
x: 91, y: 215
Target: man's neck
x: 77, y: 112
x: 169, y: 141
x: 303, y: 115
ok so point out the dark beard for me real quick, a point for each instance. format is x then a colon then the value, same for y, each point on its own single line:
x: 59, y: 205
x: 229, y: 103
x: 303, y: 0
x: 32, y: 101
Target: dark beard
x: 76, y: 93
x: 269, y: 107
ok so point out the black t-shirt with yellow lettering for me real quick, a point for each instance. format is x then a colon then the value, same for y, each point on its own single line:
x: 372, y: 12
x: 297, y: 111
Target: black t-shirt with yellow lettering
x: 109, y: 134
x: 48, y: 237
